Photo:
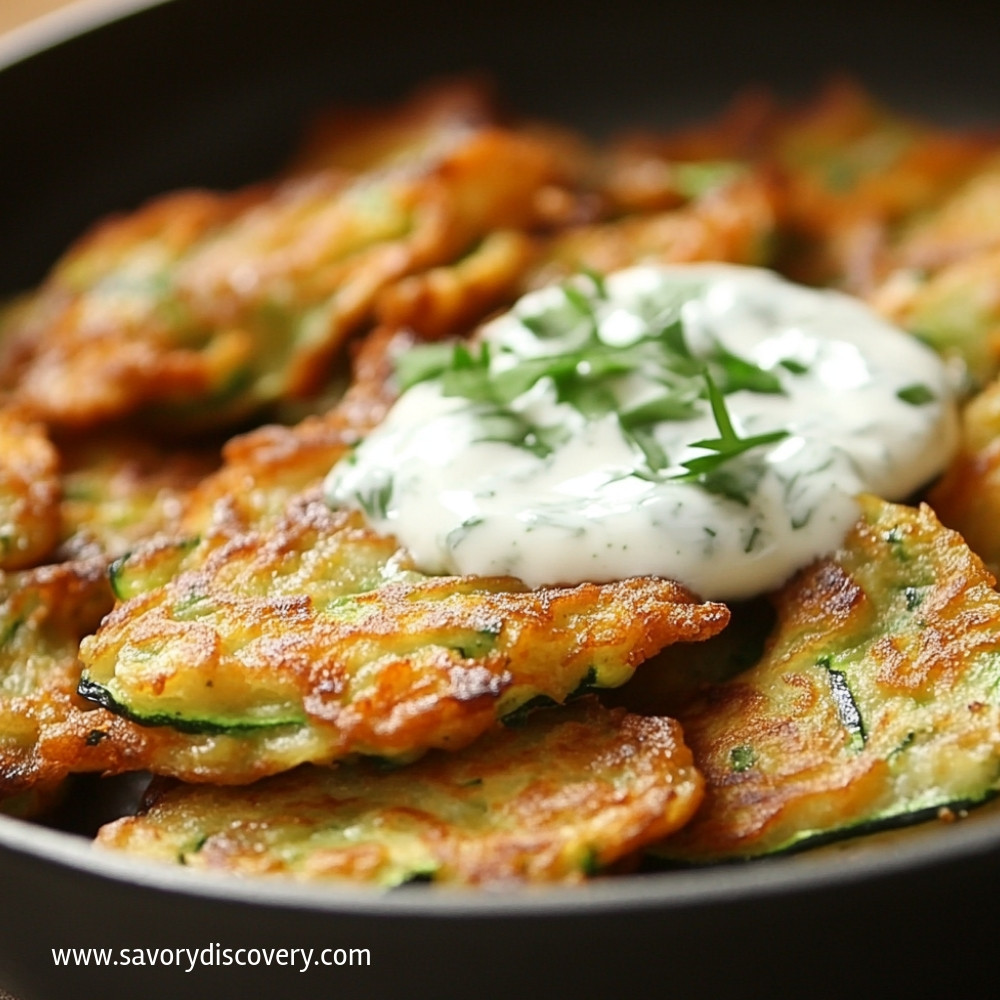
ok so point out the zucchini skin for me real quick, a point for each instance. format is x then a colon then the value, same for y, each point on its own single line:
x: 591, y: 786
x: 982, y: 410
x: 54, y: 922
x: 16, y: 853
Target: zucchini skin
x: 311, y: 638
x: 661, y: 858
x: 100, y: 695
x: 873, y: 705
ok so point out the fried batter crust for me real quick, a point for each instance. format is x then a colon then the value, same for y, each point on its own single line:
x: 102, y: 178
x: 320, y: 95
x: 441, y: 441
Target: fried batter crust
x: 29, y: 492
x: 967, y: 498
x: 201, y: 308
x: 315, y: 639
x: 874, y: 702
x: 732, y: 222
x: 119, y: 491
x: 555, y: 800
x: 263, y: 469
x: 43, y: 615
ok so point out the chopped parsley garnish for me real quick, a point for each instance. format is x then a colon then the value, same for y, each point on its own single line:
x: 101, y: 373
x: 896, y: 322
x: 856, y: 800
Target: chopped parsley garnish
x: 586, y: 376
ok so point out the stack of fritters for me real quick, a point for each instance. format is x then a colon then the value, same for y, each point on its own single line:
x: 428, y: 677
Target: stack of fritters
x: 314, y: 705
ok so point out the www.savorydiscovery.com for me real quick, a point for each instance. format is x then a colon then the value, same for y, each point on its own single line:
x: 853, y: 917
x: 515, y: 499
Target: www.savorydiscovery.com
x: 214, y: 955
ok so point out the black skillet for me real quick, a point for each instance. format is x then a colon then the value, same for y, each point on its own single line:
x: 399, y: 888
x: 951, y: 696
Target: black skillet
x: 120, y: 99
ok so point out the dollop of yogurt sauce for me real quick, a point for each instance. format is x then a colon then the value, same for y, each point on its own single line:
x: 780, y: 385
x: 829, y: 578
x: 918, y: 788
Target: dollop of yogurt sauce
x: 711, y: 424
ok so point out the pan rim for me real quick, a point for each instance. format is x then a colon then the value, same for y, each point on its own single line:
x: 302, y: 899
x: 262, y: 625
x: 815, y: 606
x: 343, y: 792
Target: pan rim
x: 930, y: 847
x: 923, y: 847
x: 63, y: 25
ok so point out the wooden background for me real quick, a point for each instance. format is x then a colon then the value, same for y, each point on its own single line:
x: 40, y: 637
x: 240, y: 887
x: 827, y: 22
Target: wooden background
x: 14, y: 13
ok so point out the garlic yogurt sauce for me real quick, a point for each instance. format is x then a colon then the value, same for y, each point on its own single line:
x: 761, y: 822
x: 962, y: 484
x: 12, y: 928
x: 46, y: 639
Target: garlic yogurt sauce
x: 711, y: 424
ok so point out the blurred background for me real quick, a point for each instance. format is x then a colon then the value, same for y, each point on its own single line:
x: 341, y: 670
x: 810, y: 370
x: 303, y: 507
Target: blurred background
x: 14, y: 13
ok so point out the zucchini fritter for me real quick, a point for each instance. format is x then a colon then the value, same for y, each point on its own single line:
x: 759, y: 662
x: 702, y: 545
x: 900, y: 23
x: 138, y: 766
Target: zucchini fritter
x: 875, y: 701
x: 43, y: 615
x: 955, y: 309
x: 852, y: 170
x: 202, y: 308
x: 560, y: 798
x: 263, y: 469
x: 117, y: 492
x: 967, y: 498
x: 940, y: 275
x: 29, y: 492
x: 732, y: 221
x: 315, y: 639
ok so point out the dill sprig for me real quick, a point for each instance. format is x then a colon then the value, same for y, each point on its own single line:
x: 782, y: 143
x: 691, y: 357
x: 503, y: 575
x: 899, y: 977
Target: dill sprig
x: 584, y: 376
x: 728, y: 444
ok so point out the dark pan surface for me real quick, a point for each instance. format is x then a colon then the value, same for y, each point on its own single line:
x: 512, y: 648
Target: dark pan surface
x: 212, y: 92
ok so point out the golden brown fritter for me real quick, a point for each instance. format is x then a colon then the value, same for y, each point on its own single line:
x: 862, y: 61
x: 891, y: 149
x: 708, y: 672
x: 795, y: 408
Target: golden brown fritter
x: 76, y: 498
x: 874, y: 702
x: 939, y: 276
x: 965, y: 223
x: 263, y: 469
x: 851, y: 170
x: 846, y: 175
x: 29, y: 492
x: 955, y: 309
x: 108, y: 330
x: 119, y: 491
x: 967, y: 497
x: 43, y: 615
x: 555, y: 800
x: 202, y: 308
x: 647, y: 171
x: 314, y: 638
x: 449, y: 300
x: 732, y: 221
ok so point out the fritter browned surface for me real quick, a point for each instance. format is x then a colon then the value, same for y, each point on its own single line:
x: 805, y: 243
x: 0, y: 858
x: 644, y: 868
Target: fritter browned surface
x: 29, y: 492
x: 560, y: 798
x: 732, y: 221
x: 315, y: 638
x: 256, y: 629
x: 874, y: 701
x: 262, y: 470
x: 43, y: 615
x: 854, y: 171
x: 201, y: 308
x: 941, y: 277
x: 967, y: 498
x: 120, y: 491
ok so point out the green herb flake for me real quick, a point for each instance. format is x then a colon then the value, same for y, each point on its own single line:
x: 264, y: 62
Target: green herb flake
x: 742, y: 758
x: 793, y: 366
x: 917, y: 394
x: 584, y: 377
x: 422, y: 363
x: 738, y: 373
x: 728, y: 444
x: 375, y: 501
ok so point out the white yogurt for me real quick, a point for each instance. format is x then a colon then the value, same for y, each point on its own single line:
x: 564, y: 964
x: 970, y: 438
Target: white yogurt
x: 561, y: 491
